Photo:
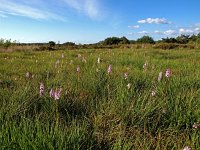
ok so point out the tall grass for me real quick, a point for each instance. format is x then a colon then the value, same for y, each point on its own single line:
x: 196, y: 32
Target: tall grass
x: 97, y: 110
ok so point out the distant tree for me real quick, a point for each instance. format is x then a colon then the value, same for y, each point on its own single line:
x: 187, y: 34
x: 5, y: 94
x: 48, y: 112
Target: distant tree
x: 115, y: 41
x: 132, y: 41
x: 111, y: 41
x: 7, y: 43
x: 183, y: 39
x: 124, y: 40
x: 69, y: 44
x: 1, y: 42
x: 193, y: 38
x: 169, y: 40
x: 52, y: 43
x: 198, y: 38
x: 146, y: 39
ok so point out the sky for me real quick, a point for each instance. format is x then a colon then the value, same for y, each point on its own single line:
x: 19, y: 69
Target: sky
x: 91, y: 21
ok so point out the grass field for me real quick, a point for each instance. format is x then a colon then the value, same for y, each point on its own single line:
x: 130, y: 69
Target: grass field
x: 97, y: 109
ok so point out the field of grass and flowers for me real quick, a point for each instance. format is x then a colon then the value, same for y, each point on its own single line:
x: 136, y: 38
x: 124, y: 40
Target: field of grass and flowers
x: 100, y: 99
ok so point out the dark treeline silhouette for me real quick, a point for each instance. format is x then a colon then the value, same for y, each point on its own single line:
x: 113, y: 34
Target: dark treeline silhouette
x: 182, y: 41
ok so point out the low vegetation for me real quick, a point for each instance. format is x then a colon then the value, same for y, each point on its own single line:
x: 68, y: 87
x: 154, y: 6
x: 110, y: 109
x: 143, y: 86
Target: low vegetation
x: 180, y: 42
x: 123, y: 98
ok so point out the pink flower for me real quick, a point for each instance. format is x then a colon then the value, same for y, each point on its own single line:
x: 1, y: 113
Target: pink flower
x: 195, y: 126
x: 57, y: 63
x: 41, y: 89
x: 109, y: 69
x: 62, y: 56
x: 145, y: 66
x: 168, y: 73
x: 55, y: 93
x: 51, y: 93
x: 153, y: 93
x: 186, y: 148
x: 126, y: 75
x: 129, y: 85
x: 78, y: 69
x: 28, y: 75
x: 98, y: 60
x: 159, y: 76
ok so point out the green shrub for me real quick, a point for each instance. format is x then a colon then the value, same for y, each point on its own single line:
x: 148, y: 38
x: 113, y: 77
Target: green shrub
x: 166, y: 46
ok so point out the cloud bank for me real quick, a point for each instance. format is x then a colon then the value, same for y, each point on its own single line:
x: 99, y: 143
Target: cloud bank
x: 134, y: 27
x: 11, y: 7
x: 46, y: 10
x: 170, y: 32
x: 89, y: 8
x: 154, y: 20
x: 143, y: 32
x: 180, y: 31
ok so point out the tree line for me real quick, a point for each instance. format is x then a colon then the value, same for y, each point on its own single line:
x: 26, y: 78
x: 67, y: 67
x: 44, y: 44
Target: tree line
x: 182, y: 39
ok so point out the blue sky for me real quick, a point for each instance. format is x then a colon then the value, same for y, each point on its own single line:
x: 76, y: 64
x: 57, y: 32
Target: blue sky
x: 90, y: 21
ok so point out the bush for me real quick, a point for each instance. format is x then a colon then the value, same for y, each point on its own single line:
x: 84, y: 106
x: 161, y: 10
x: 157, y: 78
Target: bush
x: 52, y: 43
x: 5, y: 43
x: 166, y: 46
x: 146, y: 39
x: 43, y: 48
x: 115, y: 41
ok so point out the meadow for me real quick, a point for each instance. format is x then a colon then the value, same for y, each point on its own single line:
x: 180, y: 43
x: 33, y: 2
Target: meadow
x: 124, y: 106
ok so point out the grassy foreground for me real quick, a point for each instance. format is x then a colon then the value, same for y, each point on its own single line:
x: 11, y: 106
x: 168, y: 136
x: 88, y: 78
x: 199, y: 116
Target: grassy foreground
x: 98, y: 110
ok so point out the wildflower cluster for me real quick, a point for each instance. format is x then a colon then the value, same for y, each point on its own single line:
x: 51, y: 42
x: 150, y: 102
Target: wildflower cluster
x: 109, y: 69
x: 55, y: 93
x: 42, y: 92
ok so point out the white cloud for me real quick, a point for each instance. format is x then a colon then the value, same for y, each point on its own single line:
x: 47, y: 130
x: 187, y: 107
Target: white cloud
x: 158, y: 32
x: 142, y: 21
x: 143, y: 32
x: 88, y: 7
x: 91, y: 8
x: 40, y: 9
x: 186, y: 31
x: 155, y: 20
x: 197, y: 29
x: 167, y: 32
x: 197, y: 24
x: 170, y: 32
x: 178, y: 32
x: 9, y: 7
x: 173, y: 32
x: 134, y: 27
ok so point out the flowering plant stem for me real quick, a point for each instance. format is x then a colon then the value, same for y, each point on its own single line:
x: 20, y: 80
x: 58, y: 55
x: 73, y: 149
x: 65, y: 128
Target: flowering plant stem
x: 57, y: 116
